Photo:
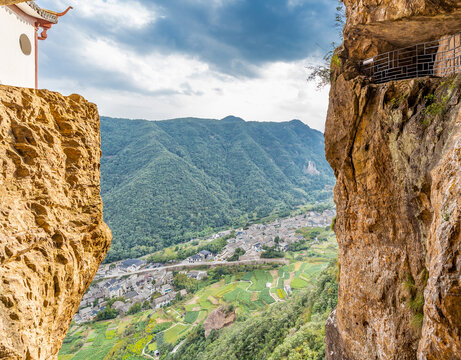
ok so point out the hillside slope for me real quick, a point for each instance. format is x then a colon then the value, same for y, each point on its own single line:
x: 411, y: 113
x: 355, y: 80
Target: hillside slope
x: 166, y: 181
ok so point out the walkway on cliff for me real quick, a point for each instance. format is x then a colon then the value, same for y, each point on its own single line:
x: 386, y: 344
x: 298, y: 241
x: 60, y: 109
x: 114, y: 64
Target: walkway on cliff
x: 438, y: 58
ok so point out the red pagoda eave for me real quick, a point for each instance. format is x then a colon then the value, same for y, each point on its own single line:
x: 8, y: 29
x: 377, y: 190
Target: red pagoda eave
x: 36, y: 22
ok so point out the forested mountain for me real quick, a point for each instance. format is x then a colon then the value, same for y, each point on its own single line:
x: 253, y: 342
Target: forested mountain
x: 164, y: 182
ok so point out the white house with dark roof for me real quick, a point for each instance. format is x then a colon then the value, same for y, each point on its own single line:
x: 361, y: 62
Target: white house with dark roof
x: 163, y: 300
x: 206, y: 255
x: 131, y: 265
x: 194, y: 258
x: 22, y: 25
x: 115, y: 291
x: 131, y: 295
x: 165, y: 289
x: 197, y: 275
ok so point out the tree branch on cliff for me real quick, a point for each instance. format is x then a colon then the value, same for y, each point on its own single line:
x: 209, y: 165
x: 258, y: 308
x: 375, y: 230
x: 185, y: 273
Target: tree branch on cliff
x: 321, y: 74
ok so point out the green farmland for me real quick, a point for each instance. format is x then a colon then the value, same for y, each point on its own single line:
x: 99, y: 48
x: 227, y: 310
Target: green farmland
x: 247, y: 290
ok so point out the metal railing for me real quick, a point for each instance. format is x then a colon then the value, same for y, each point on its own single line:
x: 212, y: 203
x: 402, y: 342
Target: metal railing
x: 436, y: 58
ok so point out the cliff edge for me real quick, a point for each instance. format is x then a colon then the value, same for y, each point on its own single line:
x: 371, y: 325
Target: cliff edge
x: 395, y: 149
x: 52, y: 234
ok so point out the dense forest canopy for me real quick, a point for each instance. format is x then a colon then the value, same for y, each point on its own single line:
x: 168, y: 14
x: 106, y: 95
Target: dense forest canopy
x: 165, y: 182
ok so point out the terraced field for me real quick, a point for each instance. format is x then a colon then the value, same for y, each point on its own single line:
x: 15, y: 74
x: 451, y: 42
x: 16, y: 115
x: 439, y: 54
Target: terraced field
x: 191, y: 316
x: 247, y: 292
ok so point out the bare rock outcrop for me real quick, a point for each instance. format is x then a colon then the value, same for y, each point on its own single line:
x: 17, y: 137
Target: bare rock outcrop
x: 52, y: 234
x: 375, y: 26
x: 334, y: 340
x: 218, y: 319
x: 395, y: 149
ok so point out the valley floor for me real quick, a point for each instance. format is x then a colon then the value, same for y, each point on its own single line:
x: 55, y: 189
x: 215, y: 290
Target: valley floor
x: 248, y: 291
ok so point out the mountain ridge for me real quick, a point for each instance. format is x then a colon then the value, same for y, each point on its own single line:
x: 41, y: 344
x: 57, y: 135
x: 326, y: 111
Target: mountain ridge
x: 203, y: 173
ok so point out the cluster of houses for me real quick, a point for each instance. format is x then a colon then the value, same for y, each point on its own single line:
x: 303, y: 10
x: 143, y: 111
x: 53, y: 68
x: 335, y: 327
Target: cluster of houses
x: 136, y: 280
x: 256, y: 237
x: 124, y: 267
x: 156, y: 286
x: 134, y: 288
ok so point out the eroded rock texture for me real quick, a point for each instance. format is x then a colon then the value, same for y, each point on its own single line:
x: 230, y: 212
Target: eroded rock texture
x: 52, y: 235
x: 376, y: 26
x: 396, y: 152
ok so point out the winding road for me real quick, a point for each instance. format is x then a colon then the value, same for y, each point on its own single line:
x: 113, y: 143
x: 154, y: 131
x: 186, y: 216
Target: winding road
x: 180, y: 266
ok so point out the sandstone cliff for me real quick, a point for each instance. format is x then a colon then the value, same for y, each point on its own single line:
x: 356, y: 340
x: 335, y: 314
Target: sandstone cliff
x: 52, y: 236
x: 396, y: 152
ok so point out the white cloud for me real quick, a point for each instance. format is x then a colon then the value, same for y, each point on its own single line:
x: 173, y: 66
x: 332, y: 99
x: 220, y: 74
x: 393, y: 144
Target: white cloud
x: 150, y: 72
x: 117, y: 13
x: 168, y: 85
x: 279, y: 93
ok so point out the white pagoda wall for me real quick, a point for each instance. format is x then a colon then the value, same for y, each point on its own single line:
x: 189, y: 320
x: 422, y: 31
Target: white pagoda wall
x: 16, y: 68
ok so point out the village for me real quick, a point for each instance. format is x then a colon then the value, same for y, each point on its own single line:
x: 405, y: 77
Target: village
x: 138, y: 281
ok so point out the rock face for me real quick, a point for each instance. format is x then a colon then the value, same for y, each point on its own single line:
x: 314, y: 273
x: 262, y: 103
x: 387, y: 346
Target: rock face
x: 311, y: 169
x: 333, y: 339
x: 375, y: 11
x: 376, y: 26
x: 396, y: 152
x: 52, y: 235
x: 218, y: 319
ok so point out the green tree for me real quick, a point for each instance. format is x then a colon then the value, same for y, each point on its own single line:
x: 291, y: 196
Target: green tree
x: 107, y: 314
x: 135, y: 308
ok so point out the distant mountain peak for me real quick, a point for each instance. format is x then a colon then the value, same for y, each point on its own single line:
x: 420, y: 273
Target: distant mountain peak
x: 298, y: 122
x: 232, y: 118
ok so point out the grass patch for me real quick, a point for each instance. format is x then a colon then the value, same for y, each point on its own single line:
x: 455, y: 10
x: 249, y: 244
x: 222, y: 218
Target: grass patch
x: 98, y: 352
x: 191, y: 317
x: 417, y: 303
x: 227, y: 289
x: 247, y: 276
x: 239, y: 295
x: 260, y: 279
x: 65, y: 357
x: 152, y: 346
x: 202, y: 316
x: 417, y: 321
x: 313, y: 269
x: 266, y: 297
x: 111, y: 334
x: 172, y: 335
x: 298, y: 283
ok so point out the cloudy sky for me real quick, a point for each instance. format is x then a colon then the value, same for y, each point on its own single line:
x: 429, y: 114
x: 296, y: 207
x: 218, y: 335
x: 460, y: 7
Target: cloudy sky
x: 160, y: 59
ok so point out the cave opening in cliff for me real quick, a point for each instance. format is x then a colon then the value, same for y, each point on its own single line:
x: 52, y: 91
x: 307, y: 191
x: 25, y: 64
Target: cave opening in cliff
x: 438, y: 58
